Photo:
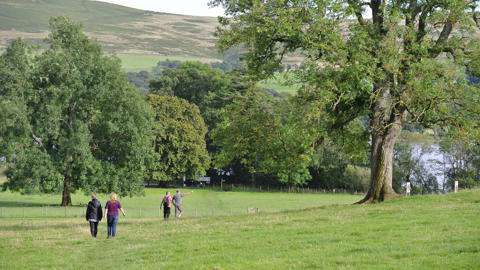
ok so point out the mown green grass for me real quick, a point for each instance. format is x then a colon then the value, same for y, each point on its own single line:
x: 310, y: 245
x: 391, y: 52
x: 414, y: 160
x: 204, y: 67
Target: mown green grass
x: 138, y: 62
x: 429, y: 232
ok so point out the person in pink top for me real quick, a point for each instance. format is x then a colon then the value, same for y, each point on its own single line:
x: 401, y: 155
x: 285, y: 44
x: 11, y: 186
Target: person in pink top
x: 167, y: 204
x: 111, y: 214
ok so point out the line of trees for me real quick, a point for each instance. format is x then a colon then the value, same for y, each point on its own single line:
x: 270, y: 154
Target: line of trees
x: 71, y: 120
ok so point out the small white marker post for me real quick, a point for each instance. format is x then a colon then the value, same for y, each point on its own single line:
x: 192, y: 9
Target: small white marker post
x: 408, y: 189
x: 455, y: 189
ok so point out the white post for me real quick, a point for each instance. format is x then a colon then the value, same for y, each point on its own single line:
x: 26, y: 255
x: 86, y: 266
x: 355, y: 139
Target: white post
x: 408, y: 189
x: 456, y: 187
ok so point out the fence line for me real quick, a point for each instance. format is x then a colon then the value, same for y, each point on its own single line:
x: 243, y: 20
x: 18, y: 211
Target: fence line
x: 293, y: 189
x: 136, y: 212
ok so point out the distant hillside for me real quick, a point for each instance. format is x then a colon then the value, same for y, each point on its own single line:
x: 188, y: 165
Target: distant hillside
x: 120, y: 29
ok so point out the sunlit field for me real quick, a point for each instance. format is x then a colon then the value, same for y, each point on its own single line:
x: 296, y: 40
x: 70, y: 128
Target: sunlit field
x: 200, y: 203
x: 138, y: 62
x: 424, y: 232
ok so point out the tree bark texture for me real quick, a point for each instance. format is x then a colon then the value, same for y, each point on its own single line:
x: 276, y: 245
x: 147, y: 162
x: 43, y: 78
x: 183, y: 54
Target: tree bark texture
x: 386, y: 127
x: 66, y: 194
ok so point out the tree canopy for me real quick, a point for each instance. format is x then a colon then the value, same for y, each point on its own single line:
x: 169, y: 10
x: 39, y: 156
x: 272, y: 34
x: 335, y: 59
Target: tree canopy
x: 266, y: 136
x: 180, y: 146
x: 408, y: 63
x: 72, y: 119
x: 198, y: 83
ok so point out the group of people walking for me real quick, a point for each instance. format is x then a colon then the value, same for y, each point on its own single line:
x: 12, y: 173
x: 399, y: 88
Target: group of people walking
x: 175, y: 200
x: 94, y: 213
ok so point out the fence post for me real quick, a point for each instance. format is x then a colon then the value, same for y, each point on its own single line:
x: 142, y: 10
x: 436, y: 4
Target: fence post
x: 65, y: 211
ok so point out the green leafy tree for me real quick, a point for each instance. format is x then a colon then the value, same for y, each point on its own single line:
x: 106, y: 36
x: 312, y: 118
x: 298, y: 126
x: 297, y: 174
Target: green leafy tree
x: 180, y: 147
x: 405, y: 64
x: 265, y: 136
x: 80, y: 124
x: 461, y: 162
x: 199, y: 84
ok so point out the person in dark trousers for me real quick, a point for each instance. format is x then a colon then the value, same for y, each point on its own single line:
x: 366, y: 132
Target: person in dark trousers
x: 112, y: 208
x: 167, y: 205
x: 94, y: 214
x: 177, y: 202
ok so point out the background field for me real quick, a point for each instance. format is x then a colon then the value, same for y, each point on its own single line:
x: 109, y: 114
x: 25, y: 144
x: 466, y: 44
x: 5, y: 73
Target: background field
x: 424, y: 232
x: 280, y: 83
x: 138, y: 62
x: 198, y: 204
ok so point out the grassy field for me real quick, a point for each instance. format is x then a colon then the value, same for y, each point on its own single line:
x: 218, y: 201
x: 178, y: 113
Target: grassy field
x: 280, y: 83
x: 428, y: 232
x: 138, y: 62
x: 200, y: 203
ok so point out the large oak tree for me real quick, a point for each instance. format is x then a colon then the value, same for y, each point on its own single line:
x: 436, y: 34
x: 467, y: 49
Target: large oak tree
x: 387, y: 61
x: 69, y: 118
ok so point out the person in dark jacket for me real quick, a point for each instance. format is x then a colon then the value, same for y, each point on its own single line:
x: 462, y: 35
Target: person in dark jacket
x: 94, y: 214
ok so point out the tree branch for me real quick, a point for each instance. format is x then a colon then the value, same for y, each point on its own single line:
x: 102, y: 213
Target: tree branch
x: 377, y: 14
x: 441, y: 43
x: 422, y: 21
x: 357, y: 7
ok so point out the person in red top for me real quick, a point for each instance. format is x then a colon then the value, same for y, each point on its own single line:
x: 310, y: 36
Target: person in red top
x: 111, y: 213
x: 167, y: 204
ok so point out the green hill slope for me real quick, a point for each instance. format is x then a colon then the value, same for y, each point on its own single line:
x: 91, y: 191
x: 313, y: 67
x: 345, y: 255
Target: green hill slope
x: 119, y: 29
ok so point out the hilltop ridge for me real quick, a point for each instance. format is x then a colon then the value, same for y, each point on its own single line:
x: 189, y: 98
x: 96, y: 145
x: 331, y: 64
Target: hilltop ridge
x: 119, y: 29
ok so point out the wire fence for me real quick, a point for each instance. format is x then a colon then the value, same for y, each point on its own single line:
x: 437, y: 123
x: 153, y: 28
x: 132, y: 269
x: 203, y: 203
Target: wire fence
x: 292, y: 189
x: 143, y: 212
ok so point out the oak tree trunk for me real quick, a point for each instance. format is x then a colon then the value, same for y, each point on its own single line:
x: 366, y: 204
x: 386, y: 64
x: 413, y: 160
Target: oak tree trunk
x: 66, y: 197
x: 381, y: 169
x: 386, y: 127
